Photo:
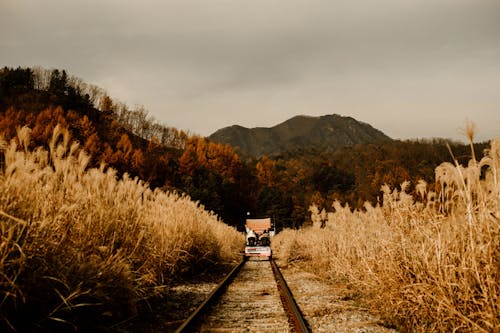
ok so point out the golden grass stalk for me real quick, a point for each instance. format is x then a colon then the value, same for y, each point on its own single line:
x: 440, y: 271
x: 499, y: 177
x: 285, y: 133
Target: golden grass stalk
x: 427, y: 266
x: 79, y: 243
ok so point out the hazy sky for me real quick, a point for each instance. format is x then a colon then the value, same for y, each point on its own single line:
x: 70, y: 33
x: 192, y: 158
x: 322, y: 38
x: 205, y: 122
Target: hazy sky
x: 411, y: 68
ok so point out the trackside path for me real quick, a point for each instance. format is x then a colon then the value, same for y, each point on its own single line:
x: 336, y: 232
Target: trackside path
x: 328, y: 308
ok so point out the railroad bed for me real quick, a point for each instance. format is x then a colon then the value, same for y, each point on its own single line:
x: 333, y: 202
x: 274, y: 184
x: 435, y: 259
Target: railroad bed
x: 249, y: 300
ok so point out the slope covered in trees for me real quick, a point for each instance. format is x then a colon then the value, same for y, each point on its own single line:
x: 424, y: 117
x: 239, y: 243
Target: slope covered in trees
x: 281, y: 185
x: 126, y: 139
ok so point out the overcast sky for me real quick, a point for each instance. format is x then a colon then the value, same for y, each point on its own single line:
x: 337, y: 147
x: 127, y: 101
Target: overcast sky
x: 411, y: 68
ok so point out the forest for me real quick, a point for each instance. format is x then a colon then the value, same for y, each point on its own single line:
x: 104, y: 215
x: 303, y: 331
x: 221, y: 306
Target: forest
x: 281, y: 186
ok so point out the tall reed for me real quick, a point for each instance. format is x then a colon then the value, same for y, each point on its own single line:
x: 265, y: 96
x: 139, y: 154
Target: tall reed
x: 80, y: 243
x: 427, y: 265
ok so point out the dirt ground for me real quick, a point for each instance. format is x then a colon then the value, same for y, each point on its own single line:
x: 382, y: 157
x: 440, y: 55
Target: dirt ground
x: 326, y: 307
x: 330, y: 308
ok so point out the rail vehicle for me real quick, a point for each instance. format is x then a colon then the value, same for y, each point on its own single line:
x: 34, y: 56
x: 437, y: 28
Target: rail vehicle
x: 258, y: 240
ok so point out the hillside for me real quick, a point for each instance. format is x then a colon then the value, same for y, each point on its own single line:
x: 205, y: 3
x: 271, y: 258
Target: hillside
x: 328, y: 133
x: 116, y: 136
x: 304, y: 164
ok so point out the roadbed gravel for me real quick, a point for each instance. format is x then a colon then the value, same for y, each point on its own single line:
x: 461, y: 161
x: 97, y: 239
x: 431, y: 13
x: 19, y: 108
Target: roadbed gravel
x: 325, y: 306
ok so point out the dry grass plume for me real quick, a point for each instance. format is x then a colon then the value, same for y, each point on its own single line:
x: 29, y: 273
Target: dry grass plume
x: 426, y: 265
x: 79, y: 245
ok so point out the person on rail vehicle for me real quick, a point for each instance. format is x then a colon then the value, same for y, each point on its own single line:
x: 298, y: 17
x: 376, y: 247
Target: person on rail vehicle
x: 264, y: 238
x: 251, y: 237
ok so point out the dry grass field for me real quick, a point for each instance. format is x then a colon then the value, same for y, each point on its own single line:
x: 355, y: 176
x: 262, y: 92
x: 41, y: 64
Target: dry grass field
x: 427, y: 265
x: 79, y: 245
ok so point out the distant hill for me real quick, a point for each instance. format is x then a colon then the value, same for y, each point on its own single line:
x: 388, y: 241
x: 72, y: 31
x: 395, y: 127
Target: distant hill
x: 328, y: 132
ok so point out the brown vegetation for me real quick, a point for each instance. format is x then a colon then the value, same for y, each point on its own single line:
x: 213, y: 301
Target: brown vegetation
x: 281, y: 185
x: 78, y: 243
x: 430, y: 265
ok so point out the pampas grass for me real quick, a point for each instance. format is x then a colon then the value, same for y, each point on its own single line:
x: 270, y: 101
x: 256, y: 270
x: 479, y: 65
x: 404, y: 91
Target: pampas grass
x: 426, y: 266
x: 79, y: 243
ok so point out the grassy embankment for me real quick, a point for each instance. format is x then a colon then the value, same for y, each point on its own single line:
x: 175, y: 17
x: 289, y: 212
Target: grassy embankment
x: 81, y: 247
x: 426, y: 266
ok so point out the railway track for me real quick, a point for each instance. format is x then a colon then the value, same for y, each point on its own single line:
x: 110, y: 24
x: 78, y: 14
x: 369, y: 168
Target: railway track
x: 253, y: 297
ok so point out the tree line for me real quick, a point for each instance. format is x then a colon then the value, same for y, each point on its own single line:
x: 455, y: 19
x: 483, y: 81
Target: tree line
x: 281, y: 186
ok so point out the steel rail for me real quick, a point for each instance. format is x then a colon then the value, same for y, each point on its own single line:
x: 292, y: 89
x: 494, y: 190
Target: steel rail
x: 295, y: 317
x: 192, y: 322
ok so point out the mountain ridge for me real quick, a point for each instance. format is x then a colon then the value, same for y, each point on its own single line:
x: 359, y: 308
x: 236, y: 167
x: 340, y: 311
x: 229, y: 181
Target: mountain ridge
x: 329, y: 132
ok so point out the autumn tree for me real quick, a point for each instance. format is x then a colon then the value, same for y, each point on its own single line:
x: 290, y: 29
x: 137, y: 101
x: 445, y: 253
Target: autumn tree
x: 106, y: 104
x: 45, y: 123
x: 265, y: 171
x: 213, y: 174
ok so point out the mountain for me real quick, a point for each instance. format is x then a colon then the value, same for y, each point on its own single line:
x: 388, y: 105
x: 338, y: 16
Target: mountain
x: 328, y: 132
